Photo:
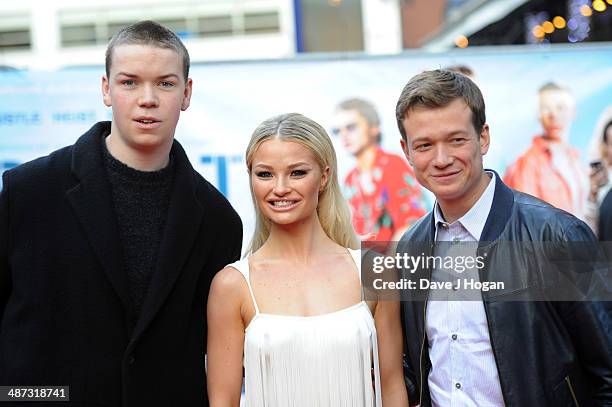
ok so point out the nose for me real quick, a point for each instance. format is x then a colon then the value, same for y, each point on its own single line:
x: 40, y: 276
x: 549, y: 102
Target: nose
x: 148, y: 97
x: 281, y: 186
x: 441, y: 158
x: 344, y: 135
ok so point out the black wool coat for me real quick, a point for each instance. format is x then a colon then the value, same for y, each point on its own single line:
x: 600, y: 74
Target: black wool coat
x: 66, y: 317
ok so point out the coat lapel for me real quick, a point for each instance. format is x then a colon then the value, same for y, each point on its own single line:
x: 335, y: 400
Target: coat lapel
x: 92, y: 203
x: 185, y: 214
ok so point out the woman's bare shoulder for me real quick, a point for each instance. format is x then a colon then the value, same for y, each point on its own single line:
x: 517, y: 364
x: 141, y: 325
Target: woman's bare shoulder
x: 229, y: 280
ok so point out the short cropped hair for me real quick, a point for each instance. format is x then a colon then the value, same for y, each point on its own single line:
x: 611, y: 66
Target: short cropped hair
x: 438, y: 88
x: 364, y: 108
x: 148, y: 33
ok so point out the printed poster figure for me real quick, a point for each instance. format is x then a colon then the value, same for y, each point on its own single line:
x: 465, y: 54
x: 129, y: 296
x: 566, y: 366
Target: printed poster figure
x: 550, y: 169
x: 383, y: 194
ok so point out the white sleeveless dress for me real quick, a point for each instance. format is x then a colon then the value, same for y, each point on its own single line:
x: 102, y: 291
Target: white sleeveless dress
x: 311, y: 361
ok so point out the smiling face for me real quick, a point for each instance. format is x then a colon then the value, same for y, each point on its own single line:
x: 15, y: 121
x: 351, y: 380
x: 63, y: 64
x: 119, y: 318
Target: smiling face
x: 446, y: 153
x: 286, y: 180
x: 147, y: 92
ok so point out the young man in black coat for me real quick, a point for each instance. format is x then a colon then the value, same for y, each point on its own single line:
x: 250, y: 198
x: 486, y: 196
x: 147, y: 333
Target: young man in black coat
x: 108, y: 246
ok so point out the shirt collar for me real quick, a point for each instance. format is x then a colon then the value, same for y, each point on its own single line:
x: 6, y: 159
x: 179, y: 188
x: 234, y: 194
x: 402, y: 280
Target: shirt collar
x: 474, y: 220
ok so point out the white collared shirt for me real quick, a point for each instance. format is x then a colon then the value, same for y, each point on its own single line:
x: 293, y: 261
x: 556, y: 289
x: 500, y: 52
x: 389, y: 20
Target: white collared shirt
x: 463, y: 371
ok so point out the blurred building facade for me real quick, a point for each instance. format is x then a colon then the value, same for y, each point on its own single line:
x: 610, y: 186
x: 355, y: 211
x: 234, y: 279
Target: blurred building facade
x: 54, y: 34
x: 43, y: 34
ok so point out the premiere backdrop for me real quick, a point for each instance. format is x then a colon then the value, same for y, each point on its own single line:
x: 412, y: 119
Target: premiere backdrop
x: 43, y: 111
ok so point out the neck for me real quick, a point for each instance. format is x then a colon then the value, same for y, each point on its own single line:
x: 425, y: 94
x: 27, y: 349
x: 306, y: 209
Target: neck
x: 297, y: 242
x: 454, y: 209
x: 555, y: 138
x: 153, y: 159
x: 366, y: 158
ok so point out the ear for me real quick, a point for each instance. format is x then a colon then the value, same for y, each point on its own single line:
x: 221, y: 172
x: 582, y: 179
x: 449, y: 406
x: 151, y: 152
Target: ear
x: 106, y: 95
x: 406, y: 150
x: 187, y: 95
x: 324, y: 179
x: 485, y: 139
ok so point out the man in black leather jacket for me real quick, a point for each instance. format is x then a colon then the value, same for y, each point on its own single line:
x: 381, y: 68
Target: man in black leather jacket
x: 528, y: 351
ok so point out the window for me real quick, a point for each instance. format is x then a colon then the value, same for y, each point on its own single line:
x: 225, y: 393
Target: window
x: 266, y: 22
x: 15, y: 39
x: 219, y: 25
x: 77, y: 35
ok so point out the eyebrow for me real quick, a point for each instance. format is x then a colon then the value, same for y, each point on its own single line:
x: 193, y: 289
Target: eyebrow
x: 345, y: 125
x: 266, y: 166
x: 448, y: 135
x: 457, y: 133
x: 130, y: 75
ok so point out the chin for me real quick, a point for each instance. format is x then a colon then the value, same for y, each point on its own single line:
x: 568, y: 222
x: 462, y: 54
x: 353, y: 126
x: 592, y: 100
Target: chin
x: 282, y: 222
x: 148, y: 140
x: 446, y: 194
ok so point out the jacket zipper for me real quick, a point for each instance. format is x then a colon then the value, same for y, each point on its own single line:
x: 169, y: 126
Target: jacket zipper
x: 431, y: 250
x: 571, y: 389
x: 421, y: 355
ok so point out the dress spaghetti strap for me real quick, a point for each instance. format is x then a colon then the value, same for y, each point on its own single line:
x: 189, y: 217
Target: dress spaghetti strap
x: 356, y: 255
x: 243, y: 267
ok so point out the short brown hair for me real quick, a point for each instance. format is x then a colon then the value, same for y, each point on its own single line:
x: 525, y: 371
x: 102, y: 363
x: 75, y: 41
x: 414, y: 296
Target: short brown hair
x: 438, y: 88
x: 147, y: 33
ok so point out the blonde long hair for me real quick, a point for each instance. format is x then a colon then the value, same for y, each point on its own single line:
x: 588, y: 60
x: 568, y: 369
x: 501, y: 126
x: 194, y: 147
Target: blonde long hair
x: 334, y: 213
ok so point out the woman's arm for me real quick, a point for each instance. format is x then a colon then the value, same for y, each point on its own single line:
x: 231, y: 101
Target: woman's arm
x: 390, y: 350
x: 225, y: 338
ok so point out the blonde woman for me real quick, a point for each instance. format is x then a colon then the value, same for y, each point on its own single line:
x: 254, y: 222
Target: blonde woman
x: 292, y: 311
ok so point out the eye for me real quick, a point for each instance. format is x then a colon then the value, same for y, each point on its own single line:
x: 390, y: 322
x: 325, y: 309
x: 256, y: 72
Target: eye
x: 422, y: 146
x: 298, y: 173
x: 457, y: 140
x: 166, y: 84
x: 128, y: 82
x: 263, y: 174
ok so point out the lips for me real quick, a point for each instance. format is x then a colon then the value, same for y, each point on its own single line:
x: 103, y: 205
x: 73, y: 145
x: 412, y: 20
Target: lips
x: 147, y: 122
x: 445, y: 176
x: 283, y: 204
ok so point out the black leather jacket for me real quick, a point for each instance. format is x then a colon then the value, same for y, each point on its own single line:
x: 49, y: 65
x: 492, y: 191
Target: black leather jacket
x: 547, y: 353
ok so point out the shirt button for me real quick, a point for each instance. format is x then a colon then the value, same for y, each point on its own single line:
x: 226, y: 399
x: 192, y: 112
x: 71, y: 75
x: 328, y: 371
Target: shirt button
x: 458, y: 385
x: 454, y: 337
x: 456, y: 240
